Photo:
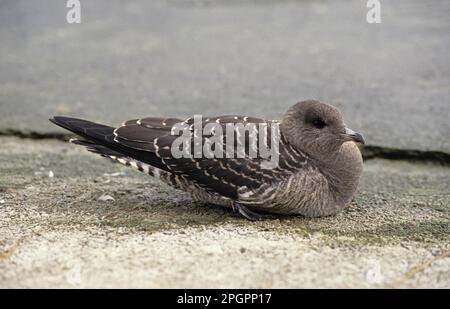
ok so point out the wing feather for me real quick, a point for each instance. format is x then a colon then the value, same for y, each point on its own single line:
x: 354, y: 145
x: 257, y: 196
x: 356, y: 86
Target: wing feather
x: 220, y: 175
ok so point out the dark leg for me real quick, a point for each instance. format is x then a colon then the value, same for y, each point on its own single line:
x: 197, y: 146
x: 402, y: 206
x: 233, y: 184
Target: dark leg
x: 247, y: 213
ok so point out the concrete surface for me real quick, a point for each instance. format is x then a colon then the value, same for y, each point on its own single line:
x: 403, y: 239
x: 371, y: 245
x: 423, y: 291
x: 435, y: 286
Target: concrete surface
x: 70, y: 219
x: 58, y: 229
x: 183, y: 57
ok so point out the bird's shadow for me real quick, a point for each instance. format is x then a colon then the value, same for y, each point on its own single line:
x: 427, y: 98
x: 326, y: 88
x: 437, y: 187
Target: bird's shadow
x: 160, y: 214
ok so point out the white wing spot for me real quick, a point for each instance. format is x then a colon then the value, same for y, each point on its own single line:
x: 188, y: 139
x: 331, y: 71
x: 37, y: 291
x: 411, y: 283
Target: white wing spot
x: 156, y: 172
x: 155, y: 143
x: 246, y: 194
x: 123, y: 161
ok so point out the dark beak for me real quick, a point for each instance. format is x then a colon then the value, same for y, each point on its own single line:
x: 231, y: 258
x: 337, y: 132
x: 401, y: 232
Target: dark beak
x: 354, y: 136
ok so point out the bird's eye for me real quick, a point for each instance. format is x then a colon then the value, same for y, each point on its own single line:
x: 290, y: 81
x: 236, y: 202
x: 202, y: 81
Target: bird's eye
x: 318, y: 123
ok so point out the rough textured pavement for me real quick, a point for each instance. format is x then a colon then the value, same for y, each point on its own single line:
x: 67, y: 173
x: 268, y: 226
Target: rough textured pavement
x: 182, y: 57
x: 59, y: 232
x: 70, y: 219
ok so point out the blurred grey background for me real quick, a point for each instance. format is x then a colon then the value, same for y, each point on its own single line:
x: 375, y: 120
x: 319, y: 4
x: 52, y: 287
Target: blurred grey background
x: 176, y: 58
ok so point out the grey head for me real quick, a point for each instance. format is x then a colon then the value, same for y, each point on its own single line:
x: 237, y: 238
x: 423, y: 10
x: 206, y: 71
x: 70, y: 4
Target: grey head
x: 317, y: 129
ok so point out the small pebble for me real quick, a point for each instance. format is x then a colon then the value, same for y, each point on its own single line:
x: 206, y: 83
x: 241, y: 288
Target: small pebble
x: 105, y: 198
x: 116, y: 174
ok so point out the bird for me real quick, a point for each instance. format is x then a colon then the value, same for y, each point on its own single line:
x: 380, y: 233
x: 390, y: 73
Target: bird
x: 317, y: 174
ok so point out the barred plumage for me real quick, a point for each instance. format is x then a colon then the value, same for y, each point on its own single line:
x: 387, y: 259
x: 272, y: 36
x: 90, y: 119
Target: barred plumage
x: 317, y: 173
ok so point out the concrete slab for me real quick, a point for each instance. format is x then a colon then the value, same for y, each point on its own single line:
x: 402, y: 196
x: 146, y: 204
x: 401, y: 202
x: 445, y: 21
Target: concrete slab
x: 178, y: 58
x: 57, y: 231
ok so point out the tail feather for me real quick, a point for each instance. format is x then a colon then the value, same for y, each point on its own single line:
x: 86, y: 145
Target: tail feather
x: 95, y: 148
x: 99, y: 139
x: 118, y: 157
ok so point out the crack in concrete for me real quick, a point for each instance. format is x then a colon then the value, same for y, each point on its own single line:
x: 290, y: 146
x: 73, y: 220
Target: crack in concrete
x: 378, y: 152
x: 369, y: 152
x: 35, y: 135
x: 417, y: 269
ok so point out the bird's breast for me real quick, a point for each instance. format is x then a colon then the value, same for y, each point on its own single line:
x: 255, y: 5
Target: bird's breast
x: 345, y: 172
x: 314, y: 191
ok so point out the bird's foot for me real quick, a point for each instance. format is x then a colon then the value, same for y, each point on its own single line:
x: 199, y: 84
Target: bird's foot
x: 247, y: 213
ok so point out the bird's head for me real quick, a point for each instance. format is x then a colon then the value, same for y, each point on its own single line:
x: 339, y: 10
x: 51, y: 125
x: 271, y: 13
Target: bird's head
x: 316, y: 128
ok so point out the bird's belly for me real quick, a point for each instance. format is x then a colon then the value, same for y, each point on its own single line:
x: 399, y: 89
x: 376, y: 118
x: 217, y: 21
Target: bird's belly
x: 200, y: 195
x: 307, y: 194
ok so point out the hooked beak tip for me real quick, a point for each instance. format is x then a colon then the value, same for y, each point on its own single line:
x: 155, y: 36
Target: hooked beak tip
x: 354, y: 136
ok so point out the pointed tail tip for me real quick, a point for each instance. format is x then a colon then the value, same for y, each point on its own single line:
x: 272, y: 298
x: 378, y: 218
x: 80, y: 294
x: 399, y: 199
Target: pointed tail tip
x: 63, y: 122
x: 56, y: 119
